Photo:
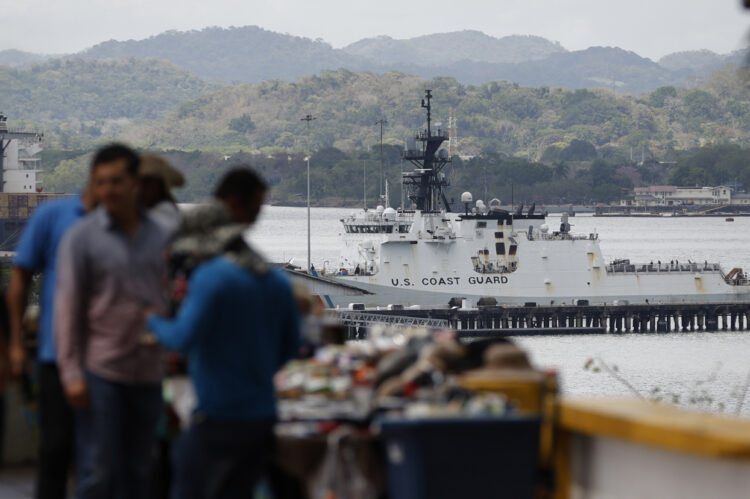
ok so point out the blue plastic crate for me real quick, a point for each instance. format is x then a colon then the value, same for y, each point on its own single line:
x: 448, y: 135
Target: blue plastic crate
x: 462, y: 458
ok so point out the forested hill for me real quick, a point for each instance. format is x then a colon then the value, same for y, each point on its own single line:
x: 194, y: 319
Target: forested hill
x: 75, y: 101
x: 446, y: 48
x: 595, y: 67
x: 549, y: 144
x: 18, y: 58
x: 498, y: 116
x: 251, y: 54
x: 245, y: 54
x: 78, y: 102
x: 89, y: 90
x: 701, y: 61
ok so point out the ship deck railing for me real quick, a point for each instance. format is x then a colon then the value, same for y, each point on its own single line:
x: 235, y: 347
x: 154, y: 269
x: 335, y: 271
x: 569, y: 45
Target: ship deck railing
x: 556, y: 236
x: 356, y: 319
x: 346, y: 271
x: 375, y: 219
x: 687, y: 268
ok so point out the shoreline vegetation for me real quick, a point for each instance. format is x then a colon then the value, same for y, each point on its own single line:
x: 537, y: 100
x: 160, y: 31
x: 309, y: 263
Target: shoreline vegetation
x: 345, y: 179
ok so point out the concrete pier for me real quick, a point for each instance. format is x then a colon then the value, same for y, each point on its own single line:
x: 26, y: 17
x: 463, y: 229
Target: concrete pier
x: 584, y: 319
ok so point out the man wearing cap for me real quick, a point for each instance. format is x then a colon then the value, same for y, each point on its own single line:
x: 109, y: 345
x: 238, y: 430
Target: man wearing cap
x: 157, y: 177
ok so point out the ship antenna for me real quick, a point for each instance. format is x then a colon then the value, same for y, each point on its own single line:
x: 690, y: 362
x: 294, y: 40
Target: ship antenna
x: 428, y: 94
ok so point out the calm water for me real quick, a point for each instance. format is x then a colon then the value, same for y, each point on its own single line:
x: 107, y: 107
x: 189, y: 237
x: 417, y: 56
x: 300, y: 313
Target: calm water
x: 712, y: 369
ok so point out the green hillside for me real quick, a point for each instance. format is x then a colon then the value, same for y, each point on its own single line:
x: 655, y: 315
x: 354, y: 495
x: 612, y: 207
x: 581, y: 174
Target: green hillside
x: 442, y: 48
x: 551, y: 145
x: 76, y: 100
x: 497, y: 117
x: 237, y: 54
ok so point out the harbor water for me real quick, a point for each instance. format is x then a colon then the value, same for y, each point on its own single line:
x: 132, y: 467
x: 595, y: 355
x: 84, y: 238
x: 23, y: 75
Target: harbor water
x: 707, y: 371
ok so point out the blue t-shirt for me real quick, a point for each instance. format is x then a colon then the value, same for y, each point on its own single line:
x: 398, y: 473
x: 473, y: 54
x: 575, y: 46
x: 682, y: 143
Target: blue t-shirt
x: 37, y: 252
x: 238, y: 329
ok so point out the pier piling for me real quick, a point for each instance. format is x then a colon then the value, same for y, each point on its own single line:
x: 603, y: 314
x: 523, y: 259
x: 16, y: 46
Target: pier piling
x: 582, y: 319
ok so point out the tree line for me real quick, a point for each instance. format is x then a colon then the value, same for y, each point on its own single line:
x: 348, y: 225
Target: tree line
x: 353, y: 178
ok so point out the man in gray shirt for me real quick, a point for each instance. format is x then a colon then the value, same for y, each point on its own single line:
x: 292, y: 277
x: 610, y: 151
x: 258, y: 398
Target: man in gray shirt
x: 110, y: 268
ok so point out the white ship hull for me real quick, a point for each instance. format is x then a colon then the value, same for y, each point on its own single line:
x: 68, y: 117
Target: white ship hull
x: 421, y: 269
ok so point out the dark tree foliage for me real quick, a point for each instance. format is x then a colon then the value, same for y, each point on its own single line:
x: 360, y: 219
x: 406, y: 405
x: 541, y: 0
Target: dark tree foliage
x: 724, y: 164
x: 701, y: 105
x: 578, y: 150
x: 243, y: 124
x: 660, y: 95
x: 583, y: 107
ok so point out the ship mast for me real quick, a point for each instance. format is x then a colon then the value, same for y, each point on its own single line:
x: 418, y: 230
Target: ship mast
x: 426, y: 182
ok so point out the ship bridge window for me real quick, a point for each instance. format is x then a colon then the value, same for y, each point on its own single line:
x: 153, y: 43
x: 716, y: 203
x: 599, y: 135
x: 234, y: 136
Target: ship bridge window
x: 403, y: 229
x: 512, y: 249
x: 498, y: 235
x: 500, y: 248
x: 481, y: 225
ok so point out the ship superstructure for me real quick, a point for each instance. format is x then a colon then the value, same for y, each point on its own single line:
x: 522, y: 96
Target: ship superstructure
x: 514, y: 258
x: 19, y: 158
x: 20, y: 192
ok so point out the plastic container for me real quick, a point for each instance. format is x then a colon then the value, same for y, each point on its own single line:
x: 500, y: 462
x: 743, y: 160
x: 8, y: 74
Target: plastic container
x: 466, y: 457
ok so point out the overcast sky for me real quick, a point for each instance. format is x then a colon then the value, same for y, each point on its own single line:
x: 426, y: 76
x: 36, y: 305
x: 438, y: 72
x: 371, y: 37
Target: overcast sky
x: 652, y: 28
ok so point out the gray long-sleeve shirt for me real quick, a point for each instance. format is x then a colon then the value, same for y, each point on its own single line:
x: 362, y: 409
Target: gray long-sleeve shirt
x: 104, y: 281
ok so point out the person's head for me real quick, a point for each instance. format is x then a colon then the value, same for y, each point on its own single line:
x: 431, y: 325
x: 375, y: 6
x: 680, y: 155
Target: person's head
x: 157, y: 177
x: 242, y: 191
x: 114, y: 179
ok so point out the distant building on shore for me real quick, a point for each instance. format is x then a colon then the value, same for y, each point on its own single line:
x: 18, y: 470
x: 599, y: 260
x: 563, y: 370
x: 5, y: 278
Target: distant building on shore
x: 670, y: 195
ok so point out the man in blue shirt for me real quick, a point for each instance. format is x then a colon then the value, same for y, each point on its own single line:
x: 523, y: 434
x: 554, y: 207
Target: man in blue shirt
x: 36, y: 253
x: 238, y: 324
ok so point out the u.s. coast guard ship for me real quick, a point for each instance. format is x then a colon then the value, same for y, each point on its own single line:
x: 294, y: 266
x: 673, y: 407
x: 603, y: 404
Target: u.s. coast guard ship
x: 429, y: 256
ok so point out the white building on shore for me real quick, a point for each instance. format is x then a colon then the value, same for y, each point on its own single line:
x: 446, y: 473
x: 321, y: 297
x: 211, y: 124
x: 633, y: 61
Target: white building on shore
x: 670, y: 195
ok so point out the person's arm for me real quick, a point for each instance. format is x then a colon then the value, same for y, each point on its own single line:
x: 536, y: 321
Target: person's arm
x: 30, y: 259
x: 5, y: 371
x: 17, y: 298
x: 69, y: 316
x: 290, y: 326
x: 195, y: 315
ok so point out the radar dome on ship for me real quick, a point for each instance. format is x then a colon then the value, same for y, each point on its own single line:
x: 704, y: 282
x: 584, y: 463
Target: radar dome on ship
x: 466, y: 197
x: 379, y: 209
x: 389, y: 214
x: 495, y: 204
